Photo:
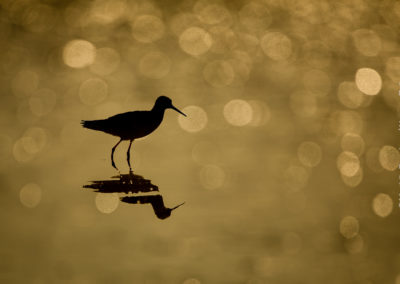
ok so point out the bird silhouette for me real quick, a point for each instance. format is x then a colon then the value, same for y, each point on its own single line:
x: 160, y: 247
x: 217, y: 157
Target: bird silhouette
x: 132, y: 125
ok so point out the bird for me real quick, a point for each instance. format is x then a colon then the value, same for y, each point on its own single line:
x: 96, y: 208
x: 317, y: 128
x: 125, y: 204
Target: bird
x: 132, y: 125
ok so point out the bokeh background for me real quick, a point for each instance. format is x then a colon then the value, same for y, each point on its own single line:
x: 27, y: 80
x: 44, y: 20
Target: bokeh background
x: 288, y: 159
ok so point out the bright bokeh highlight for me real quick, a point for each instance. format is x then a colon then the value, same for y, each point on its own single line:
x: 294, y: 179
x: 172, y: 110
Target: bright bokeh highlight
x: 79, y: 53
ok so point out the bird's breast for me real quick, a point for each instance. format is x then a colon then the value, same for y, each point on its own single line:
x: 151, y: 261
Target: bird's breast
x: 147, y: 124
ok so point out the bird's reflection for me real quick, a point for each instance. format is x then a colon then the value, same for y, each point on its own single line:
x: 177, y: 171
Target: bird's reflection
x: 134, y: 184
x: 124, y: 184
x: 156, y: 202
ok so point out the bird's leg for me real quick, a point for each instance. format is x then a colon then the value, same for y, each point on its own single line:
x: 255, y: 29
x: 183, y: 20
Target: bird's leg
x: 128, y: 155
x: 112, y: 154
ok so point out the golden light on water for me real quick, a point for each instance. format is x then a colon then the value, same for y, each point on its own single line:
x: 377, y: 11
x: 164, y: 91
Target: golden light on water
x: 107, y: 61
x: 107, y: 11
x: 309, y: 153
x: 195, y: 41
x: 382, y: 205
x: 255, y: 16
x: 349, y: 227
x: 352, y: 142
x: 34, y: 140
x: 191, y: 281
x: 354, y: 245
x: 393, y: 68
x: 347, y: 122
x: 212, y: 177
x: 38, y: 18
x: 148, y: 28
x: 212, y: 14
x: 348, y: 163
x: 107, y: 203
x: 354, y: 180
x: 296, y: 177
x: 261, y: 113
x: 181, y: 21
x: 349, y: 95
x: 287, y: 161
x: 368, y: 81
x: 93, y: 91
x: 241, y: 64
x: 389, y: 157
x: 367, y: 42
x: 19, y: 152
x: 31, y: 143
x: 79, y: 53
x: 276, y: 45
x: 196, y: 119
x: 30, y: 195
x: 372, y: 159
x: 238, y: 112
x: 219, y: 73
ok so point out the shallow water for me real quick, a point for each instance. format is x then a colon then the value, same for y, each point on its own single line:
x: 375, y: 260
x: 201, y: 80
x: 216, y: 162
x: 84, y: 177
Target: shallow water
x: 287, y: 163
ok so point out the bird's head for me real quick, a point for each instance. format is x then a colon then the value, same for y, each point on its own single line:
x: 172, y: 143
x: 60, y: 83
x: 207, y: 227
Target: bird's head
x: 163, y: 214
x: 165, y: 102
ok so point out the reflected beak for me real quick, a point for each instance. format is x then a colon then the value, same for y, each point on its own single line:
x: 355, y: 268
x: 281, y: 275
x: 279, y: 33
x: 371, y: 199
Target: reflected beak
x: 179, y: 204
x: 174, y: 108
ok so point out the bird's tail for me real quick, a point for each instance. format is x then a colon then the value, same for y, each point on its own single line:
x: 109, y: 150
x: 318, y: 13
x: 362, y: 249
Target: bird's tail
x: 93, y: 124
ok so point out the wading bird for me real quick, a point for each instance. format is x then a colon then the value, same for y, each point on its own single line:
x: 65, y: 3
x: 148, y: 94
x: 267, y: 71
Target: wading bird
x: 132, y: 125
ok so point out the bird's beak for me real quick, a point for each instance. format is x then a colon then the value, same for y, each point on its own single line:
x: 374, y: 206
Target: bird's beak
x: 174, y: 108
x: 177, y: 206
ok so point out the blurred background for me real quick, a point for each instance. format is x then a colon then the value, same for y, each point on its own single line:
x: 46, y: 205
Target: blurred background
x: 288, y: 159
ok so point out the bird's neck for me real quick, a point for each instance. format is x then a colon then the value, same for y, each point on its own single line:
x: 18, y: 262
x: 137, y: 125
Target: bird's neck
x: 158, y: 110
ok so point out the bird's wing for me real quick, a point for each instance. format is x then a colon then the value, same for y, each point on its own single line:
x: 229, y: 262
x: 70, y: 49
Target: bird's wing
x: 121, y: 117
x: 129, y: 118
x: 124, y: 124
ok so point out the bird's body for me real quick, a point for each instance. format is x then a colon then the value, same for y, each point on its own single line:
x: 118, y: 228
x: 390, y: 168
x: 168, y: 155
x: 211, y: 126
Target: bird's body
x: 128, y: 125
x: 132, y: 125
